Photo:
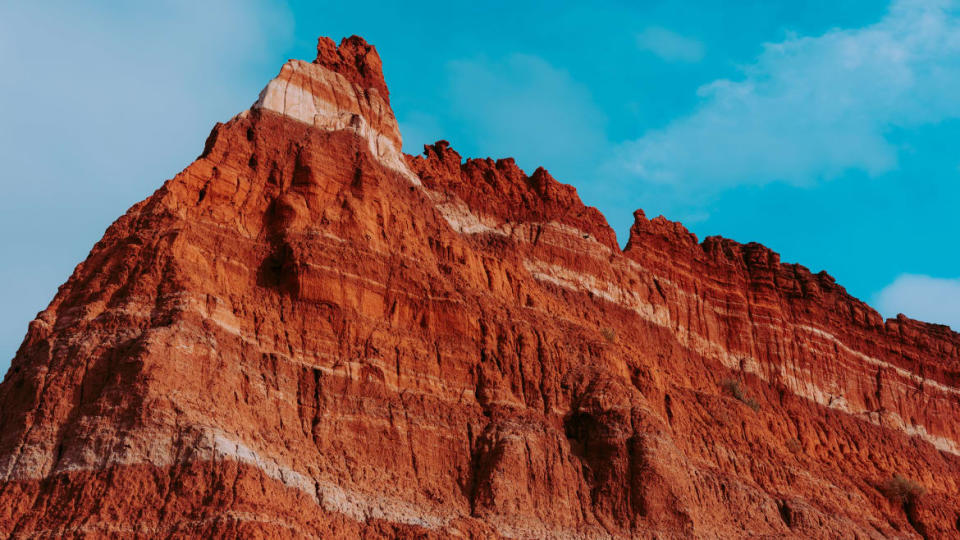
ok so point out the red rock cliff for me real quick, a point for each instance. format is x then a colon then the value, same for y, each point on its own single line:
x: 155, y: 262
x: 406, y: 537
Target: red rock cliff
x: 307, y: 333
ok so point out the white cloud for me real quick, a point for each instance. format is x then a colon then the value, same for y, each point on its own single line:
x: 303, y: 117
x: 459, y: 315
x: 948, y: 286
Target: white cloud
x: 811, y: 108
x: 523, y: 104
x: 922, y: 297
x: 669, y: 45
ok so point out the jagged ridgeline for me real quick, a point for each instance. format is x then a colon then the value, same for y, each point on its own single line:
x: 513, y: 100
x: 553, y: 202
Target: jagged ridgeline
x: 307, y: 333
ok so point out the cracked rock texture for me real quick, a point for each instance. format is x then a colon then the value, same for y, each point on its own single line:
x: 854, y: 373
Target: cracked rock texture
x: 307, y: 333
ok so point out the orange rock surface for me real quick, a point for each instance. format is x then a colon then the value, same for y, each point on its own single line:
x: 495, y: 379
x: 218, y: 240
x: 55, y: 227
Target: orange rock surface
x: 307, y: 333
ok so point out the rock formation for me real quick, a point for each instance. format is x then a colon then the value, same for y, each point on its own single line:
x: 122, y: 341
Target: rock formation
x: 307, y: 333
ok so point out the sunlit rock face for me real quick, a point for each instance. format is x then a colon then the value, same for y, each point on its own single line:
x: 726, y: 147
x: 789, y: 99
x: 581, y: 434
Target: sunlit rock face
x: 307, y: 333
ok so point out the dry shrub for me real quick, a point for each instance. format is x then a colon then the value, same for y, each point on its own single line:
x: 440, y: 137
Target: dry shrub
x: 609, y: 335
x: 902, y: 490
x: 736, y: 391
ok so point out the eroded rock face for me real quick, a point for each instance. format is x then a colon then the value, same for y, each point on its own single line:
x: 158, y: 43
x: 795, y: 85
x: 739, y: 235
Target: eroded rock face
x: 308, y: 334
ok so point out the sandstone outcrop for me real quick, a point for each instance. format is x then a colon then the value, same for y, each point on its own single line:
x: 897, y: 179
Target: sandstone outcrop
x: 307, y: 333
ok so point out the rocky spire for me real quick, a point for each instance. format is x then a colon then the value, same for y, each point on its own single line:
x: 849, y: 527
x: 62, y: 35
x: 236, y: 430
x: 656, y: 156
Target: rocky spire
x: 356, y: 60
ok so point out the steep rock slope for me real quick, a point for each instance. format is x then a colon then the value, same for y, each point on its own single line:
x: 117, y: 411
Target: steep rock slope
x: 307, y: 333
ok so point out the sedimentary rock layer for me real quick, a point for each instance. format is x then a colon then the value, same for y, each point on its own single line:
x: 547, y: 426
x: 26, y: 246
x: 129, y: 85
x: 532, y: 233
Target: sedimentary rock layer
x: 307, y: 333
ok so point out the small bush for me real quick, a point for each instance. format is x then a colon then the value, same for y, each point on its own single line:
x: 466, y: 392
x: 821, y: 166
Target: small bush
x: 733, y: 388
x: 609, y: 335
x: 902, y: 490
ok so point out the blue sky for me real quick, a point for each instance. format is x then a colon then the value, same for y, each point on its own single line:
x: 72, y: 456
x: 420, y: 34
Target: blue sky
x: 824, y: 129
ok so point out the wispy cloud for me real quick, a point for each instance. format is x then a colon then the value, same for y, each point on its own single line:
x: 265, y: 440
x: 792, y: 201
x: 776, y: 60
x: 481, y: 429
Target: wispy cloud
x: 102, y: 102
x: 521, y: 103
x: 419, y: 128
x: 812, y: 108
x: 669, y: 45
x: 922, y: 297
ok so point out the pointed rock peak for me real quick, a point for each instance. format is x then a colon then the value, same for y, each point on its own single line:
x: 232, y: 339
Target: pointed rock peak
x: 547, y: 187
x: 442, y: 152
x: 502, y: 190
x: 343, y: 89
x: 659, y: 233
x: 437, y: 161
x: 356, y: 60
x: 752, y: 254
